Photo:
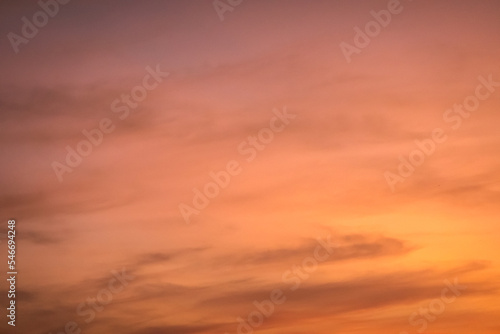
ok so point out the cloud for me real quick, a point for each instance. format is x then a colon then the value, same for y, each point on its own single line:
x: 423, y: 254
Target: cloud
x: 41, y: 238
x: 350, y: 247
x: 183, y: 329
x: 355, y: 297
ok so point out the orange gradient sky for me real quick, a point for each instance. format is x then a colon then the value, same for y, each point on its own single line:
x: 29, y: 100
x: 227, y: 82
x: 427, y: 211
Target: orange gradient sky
x: 323, y: 175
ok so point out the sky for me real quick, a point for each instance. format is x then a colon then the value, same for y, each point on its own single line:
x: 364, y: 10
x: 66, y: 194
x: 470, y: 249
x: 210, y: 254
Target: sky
x: 233, y: 166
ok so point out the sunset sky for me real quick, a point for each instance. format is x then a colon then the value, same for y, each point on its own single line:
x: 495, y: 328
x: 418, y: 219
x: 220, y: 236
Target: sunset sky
x: 309, y: 144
